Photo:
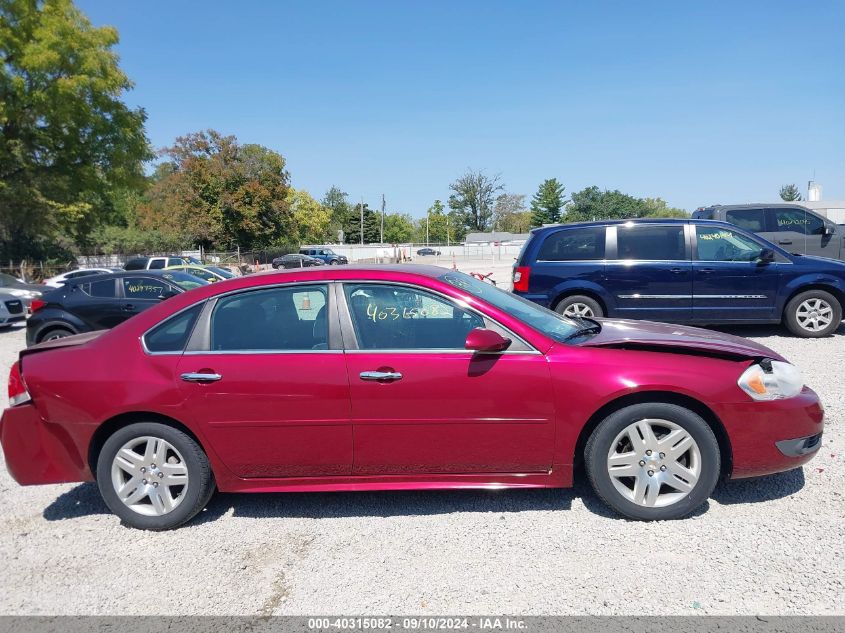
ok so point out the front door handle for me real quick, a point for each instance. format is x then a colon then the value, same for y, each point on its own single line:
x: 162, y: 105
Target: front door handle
x: 706, y: 271
x: 784, y: 241
x: 385, y: 376
x: 200, y: 377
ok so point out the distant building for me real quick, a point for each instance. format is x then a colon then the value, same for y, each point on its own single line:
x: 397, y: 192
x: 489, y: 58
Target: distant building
x: 833, y: 209
x: 491, y: 237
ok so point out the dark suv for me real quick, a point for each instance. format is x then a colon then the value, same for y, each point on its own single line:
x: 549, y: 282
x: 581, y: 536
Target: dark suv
x: 791, y: 226
x: 683, y: 271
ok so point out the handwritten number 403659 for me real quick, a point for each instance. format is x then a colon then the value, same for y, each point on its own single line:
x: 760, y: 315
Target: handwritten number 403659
x: 392, y: 313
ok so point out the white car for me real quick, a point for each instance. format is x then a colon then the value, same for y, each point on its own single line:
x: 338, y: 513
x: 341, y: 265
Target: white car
x: 12, y: 309
x: 59, y: 280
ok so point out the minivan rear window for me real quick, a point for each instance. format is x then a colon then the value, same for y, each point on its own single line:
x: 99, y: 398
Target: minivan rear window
x: 573, y: 244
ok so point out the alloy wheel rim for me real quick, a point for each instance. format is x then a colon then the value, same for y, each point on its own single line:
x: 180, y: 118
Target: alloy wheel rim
x: 55, y: 336
x: 149, y: 476
x: 814, y: 314
x: 578, y: 310
x: 654, y: 463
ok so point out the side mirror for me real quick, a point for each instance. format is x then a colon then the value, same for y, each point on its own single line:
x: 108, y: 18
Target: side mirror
x: 484, y: 340
x: 167, y: 294
x: 767, y: 256
x: 829, y: 229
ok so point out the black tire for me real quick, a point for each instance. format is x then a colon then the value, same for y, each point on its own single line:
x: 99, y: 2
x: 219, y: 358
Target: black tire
x: 599, y: 445
x: 53, y: 333
x: 592, y: 304
x: 197, y: 493
x: 793, y: 320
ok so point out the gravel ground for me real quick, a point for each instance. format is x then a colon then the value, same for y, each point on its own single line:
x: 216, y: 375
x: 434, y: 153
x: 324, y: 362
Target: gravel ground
x: 773, y: 545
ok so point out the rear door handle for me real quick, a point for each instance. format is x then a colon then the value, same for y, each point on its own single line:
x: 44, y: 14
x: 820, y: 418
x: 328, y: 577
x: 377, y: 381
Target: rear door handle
x: 386, y: 376
x: 784, y: 241
x: 128, y: 307
x: 198, y: 377
x: 677, y: 271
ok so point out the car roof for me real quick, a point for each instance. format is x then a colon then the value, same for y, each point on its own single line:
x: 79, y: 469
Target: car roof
x: 754, y: 205
x: 597, y: 223
x: 156, y: 272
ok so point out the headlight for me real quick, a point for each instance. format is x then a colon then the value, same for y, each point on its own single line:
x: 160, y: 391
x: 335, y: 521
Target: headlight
x: 771, y: 380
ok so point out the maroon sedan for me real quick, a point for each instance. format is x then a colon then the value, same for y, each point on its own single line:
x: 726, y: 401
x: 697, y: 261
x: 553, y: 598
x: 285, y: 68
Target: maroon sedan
x: 396, y: 378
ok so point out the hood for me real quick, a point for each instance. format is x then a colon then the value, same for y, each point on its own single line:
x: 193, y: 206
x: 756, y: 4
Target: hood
x: 627, y: 334
x: 68, y: 341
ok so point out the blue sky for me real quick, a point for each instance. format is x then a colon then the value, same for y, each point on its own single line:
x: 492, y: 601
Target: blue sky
x: 697, y: 103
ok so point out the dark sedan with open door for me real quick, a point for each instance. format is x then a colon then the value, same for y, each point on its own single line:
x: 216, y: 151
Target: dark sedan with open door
x: 101, y: 302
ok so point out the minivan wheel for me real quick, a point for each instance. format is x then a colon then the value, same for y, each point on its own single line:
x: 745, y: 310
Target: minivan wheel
x: 154, y: 477
x: 579, y: 306
x: 653, y: 461
x: 813, y: 314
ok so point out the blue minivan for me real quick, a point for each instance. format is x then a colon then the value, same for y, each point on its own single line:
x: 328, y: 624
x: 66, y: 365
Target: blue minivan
x: 681, y: 271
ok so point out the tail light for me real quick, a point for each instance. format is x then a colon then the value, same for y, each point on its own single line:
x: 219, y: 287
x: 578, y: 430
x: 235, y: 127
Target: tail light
x: 17, y: 388
x: 36, y: 304
x: 520, y: 278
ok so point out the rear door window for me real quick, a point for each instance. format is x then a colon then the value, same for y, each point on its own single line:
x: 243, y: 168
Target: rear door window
x: 157, y: 263
x: 651, y: 243
x: 573, y: 245
x: 104, y: 289
x: 753, y: 220
x: 275, y: 319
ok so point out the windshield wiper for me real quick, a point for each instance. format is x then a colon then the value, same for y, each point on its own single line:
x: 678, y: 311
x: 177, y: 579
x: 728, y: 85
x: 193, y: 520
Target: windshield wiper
x: 589, y: 327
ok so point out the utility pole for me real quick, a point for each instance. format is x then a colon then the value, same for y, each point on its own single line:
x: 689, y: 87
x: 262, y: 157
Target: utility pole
x: 362, y: 220
x: 427, y: 217
x: 381, y: 237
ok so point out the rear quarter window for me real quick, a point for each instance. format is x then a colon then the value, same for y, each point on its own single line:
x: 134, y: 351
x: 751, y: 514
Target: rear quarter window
x: 172, y: 335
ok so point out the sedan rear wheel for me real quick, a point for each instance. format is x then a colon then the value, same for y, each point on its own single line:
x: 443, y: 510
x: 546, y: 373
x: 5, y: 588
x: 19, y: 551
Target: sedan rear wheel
x: 154, y: 476
x: 653, y: 461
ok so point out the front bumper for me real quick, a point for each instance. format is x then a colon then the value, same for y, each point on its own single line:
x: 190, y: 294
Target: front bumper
x: 38, y: 452
x: 775, y: 436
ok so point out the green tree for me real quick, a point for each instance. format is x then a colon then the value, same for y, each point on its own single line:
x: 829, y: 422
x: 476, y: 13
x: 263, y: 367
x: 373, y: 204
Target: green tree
x: 510, y: 214
x: 218, y: 193
x: 337, y: 201
x: 68, y: 140
x: 398, y: 228
x: 310, y: 218
x: 472, y: 199
x: 659, y: 208
x: 592, y: 203
x: 547, y: 203
x: 790, y: 193
x: 352, y: 225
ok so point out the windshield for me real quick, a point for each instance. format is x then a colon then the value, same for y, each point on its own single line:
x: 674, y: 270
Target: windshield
x: 552, y: 324
x: 228, y: 274
x: 8, y: 280
x: 184, y: 280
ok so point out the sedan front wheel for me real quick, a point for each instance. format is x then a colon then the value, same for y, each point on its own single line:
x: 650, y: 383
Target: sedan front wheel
x: 653, y: 461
